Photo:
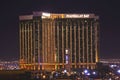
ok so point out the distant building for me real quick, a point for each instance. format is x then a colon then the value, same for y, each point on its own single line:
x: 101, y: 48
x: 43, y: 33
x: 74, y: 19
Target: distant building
x: 9, y: 65
x: 110, y: 61
x: 45, y: 36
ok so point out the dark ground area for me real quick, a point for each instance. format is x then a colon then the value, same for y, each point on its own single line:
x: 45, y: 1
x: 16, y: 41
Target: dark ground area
x: 14, y: 75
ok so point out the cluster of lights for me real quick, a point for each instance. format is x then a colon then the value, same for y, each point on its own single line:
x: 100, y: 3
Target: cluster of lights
x: 112, y: 66
x: 88, y: 73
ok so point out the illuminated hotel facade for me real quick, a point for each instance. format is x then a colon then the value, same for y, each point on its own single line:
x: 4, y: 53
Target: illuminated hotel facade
x: 44, y: 37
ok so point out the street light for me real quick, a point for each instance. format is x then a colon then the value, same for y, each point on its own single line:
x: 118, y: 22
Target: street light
x: 118, y: 71
x: 85, y: 71
x: 94, y: 73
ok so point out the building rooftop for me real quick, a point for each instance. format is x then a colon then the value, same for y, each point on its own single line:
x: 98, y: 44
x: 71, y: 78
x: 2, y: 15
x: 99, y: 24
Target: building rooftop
x: 57, y: 15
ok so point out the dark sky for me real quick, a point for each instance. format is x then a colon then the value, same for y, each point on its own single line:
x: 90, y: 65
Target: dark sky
x: 107, y: 10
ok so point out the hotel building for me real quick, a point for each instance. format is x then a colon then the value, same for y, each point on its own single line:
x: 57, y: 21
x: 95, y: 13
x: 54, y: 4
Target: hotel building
x: 45, y: 37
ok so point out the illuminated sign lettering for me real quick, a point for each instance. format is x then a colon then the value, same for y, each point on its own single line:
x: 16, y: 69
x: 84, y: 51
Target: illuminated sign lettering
x: 78, y: 16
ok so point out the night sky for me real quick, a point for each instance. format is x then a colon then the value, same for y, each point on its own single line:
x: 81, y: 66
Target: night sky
x: 107, y: 10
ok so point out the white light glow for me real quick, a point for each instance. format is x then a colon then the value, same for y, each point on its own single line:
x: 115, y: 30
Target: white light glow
x: 112, y: 66
x: 66, y: 51
x: 85, y: 71
x: 118, y: 71
x: 88, y: 74
x: 46, y: 14
x: 94, y: 73
x: 65, y: 71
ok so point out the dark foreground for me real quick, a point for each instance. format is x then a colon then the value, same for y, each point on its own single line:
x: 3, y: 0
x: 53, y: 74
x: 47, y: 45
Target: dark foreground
x: 14, y: 75
x: 26, y: 75
x: 20, y: 75
x: 43, y: 75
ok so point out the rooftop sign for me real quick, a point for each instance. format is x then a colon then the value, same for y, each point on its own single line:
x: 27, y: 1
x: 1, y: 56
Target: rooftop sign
x: 77, y: 15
